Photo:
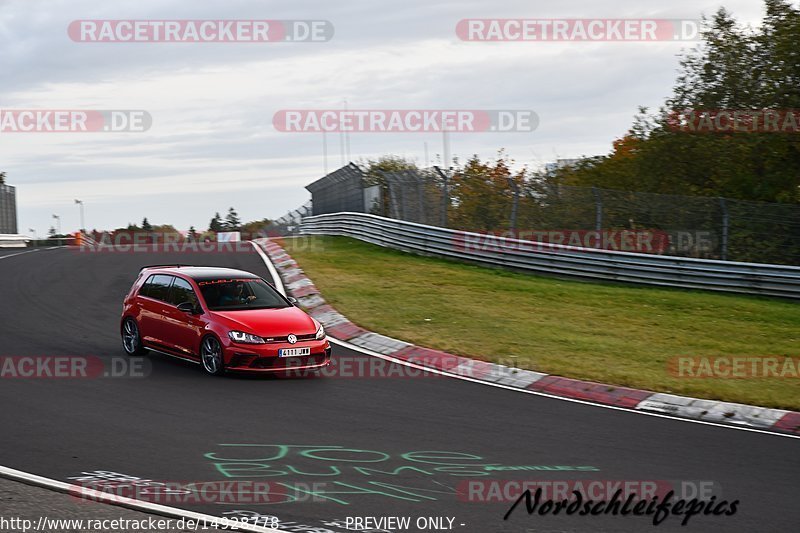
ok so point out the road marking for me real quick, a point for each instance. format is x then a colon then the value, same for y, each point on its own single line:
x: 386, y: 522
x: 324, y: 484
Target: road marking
x: 130, y: 503
x: 279, y: 285
x: 272, y: 271
x: 101, y: 497
x: 19, y: 253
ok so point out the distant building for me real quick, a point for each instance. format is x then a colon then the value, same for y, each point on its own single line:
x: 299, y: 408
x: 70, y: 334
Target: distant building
x: 8, y: 209
x: 341, y: 190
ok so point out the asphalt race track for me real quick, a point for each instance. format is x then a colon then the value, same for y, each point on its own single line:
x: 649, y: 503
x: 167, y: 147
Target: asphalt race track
x: 179, y: 425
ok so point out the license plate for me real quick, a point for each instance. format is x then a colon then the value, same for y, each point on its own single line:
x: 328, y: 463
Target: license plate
x: 293, y: 352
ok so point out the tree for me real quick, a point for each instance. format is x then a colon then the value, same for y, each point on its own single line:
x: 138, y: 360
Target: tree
x: 482, y: 194
x: 2, y: 178
x: 374, y: 175
x: 736, y: 68
x: 51, y: 232
x: 193, y: 235
x: 146, y: 225
x: 255, y: 228
x: 164, y: 229
x: 216, y: 224
x: 232, y: 221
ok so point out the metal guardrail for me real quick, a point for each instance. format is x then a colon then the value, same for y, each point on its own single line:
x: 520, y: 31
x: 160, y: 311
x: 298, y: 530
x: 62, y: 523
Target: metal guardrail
x: 587, y: 263
x: 13, y: 241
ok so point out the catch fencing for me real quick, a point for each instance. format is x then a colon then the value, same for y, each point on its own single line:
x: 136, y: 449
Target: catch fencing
x: 561, y: 260
x: 698, y: 226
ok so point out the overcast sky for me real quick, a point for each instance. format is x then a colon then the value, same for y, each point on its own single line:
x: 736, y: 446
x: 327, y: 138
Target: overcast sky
x: 212, y: 144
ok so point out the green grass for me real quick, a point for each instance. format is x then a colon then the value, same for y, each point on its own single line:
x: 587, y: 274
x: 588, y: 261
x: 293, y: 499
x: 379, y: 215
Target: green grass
x: 615, y: 334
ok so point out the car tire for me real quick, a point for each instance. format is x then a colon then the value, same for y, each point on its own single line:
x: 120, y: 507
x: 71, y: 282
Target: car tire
x: 131, y: 339
x: 211, y: 356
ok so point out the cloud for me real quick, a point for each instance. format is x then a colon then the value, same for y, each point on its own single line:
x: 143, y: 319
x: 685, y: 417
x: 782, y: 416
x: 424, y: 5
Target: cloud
x: 212, y: 142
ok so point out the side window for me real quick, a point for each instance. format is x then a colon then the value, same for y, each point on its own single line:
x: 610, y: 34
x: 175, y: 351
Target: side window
x: 145, y: 290
x: 157, y: 287
x: 182, y: 292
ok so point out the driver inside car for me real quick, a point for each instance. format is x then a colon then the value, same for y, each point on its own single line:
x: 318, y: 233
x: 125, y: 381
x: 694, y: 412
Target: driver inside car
x: 234, y: 293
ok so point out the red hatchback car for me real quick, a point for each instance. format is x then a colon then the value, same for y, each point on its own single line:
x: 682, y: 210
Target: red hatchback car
x: 224, y: 319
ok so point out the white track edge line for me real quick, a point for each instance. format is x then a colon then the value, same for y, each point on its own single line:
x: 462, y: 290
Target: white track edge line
x: 129, y: 503
x: 366, y: 351
x: 369, y: 352
x: 272, y: 270
x: 19, y: 253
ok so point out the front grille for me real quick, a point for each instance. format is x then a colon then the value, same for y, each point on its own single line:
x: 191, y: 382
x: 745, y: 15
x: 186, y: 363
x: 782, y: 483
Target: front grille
x: 263, y: 363
x: 300, y: 338
x: 241, y: 359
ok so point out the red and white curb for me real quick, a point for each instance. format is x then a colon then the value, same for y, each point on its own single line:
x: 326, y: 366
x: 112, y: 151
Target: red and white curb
x: 297, y: 284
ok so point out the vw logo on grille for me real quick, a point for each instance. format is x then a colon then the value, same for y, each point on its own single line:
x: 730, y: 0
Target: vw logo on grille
x: 292, y: 338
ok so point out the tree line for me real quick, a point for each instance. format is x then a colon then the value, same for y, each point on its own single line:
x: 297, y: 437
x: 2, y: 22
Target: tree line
x: 218, y: 224
x: 741, y: 186
x: 735, y: 68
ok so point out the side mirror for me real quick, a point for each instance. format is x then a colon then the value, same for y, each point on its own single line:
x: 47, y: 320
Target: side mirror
x: 292, y: 301
x: 188, y: 307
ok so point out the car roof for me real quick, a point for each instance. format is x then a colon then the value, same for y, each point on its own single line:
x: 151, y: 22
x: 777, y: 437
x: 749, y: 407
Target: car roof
x: 201, y: 273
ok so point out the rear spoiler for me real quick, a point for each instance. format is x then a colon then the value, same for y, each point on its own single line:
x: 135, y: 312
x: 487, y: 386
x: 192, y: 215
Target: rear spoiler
x: 160, y: 266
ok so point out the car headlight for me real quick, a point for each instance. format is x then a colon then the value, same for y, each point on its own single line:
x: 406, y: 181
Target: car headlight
x: 320, y: 333
x: 245, y: 338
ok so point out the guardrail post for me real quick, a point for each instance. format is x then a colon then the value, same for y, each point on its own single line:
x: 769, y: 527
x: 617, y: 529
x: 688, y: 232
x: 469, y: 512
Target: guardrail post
x: 514, y: 203
x: 598, y: 209
x: 420, y: 181
x: 445, y: 195
x: 725, y: 224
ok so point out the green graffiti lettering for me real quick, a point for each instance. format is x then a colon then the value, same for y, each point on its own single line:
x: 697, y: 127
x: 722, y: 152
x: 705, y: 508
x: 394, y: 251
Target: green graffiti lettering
x: 334, y: 471
x: 243, y: 469
x: 466, y: 470
x: 314, y: 454
x: 400, y: 488
x: 398, y: 492
x: 433, y: 457
x: 366, y: 471
x: 280, y: 453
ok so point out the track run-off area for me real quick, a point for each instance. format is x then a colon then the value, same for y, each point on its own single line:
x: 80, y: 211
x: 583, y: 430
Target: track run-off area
x: 392, y: 444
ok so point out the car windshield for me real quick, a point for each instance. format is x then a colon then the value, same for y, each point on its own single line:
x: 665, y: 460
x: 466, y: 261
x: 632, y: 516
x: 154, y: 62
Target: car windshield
x: 227, y: 294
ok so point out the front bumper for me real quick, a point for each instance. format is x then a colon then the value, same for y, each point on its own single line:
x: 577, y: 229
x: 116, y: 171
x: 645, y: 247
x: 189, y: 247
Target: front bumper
x: 264, y: 357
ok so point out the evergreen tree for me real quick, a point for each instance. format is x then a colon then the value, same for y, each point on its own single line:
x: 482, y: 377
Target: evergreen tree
x: 232, y: 221
x: 216, y: 224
